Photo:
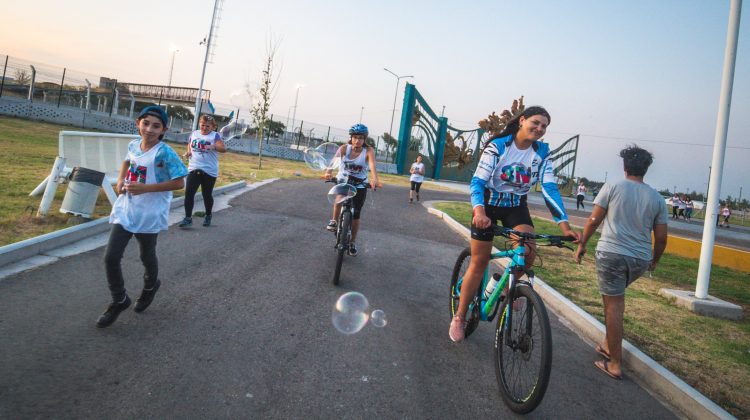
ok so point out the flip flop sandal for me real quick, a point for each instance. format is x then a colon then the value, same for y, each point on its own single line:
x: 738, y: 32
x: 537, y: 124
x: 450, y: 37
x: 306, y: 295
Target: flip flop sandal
x: 604, y: 367
x: 601, y: 352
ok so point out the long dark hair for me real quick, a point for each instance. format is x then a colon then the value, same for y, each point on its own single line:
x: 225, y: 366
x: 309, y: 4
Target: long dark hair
x: 513, y: 125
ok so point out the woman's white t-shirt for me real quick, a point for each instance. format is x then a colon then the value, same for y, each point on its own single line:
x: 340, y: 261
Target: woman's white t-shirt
x: 581, y: 190
x: 147, y: 212
x: 417, y: 175
x: 203, y: 152
x: 356, y: 167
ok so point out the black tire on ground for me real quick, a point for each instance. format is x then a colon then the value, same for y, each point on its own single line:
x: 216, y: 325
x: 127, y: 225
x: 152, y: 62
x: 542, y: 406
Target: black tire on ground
x: 523, y: 360
x: 459, y: 269
x: 343, y: 241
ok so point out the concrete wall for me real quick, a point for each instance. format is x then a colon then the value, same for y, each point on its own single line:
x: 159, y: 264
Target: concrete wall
x: 75, y: 117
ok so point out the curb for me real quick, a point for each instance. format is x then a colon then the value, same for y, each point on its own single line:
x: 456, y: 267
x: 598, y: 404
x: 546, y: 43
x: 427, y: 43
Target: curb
x: 18, y: 251
x: 676, y: 392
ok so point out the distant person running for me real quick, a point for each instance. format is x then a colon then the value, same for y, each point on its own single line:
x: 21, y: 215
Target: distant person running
x: 202, y: 149
x: 416, y: 178
x: 675, y: 200
x: 630, y: 210
x: 726, y: 212
x: 689, y: 206
x: 681, y: 207
x: 580, y: 196
x: 149, y: 174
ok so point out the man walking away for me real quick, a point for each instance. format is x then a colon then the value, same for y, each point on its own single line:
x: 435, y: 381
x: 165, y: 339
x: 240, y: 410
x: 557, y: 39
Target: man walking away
x: 630, y: 210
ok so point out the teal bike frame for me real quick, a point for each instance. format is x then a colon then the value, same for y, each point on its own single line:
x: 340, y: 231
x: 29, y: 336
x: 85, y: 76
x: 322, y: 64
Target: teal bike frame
x: 517, y: 259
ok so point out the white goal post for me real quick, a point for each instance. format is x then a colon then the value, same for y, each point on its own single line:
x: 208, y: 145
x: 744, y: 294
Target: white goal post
x: 103, y: 152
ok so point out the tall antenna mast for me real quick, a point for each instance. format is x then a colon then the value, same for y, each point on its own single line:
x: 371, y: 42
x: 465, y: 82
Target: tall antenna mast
x: 210, y: 47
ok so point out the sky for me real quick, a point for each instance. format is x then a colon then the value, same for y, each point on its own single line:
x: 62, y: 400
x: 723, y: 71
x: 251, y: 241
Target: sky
x: 616, y: 72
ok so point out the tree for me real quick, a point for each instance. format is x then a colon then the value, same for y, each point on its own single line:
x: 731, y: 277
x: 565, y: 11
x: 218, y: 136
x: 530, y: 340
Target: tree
x: 275, y: 128
x: 180, y: 112
x: 390, y: 143
x: 264, y: 95
x: 22, y: 77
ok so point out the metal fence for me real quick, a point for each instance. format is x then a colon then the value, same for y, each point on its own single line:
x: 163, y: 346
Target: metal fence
x: 50, y: 87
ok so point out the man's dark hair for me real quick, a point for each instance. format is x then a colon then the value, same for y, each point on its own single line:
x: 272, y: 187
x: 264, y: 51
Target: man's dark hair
x: 636, y: 160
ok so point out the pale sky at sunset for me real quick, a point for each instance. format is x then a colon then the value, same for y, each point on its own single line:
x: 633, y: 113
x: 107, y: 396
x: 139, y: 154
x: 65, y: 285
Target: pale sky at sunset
x: 616, y: 72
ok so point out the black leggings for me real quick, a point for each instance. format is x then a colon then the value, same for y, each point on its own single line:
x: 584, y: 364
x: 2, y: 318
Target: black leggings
x: 118, y: 241
x: 579, y: 201
x: 198, y: 178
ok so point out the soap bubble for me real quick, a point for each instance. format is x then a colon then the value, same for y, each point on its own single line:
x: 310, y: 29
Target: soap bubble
x: 340, y: 192
x: 233, y: 130
x: 323, y: 157
x: 349, y: 313
x: 378, y: 319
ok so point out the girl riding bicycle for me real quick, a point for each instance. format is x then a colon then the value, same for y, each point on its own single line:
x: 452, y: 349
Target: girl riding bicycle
x: 510, y: 165
x: 354, y: 159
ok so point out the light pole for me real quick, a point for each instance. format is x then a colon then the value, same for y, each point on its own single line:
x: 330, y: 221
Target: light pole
x: 171, y: 68
x: 398, y: 80
x: 296, y: 97
x: 209, y: 40
x: 361, y: 111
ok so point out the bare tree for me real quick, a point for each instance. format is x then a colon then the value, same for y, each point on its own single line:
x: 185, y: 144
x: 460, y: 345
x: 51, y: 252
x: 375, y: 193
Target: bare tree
x: 264, y: 97
x: 22, y: 77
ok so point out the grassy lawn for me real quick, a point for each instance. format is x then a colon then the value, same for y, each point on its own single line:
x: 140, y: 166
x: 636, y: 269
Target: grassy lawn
x: 30, y: 148
x: 710, y: 354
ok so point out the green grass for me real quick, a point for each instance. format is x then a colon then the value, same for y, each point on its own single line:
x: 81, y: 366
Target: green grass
x: 29, y: 150
x: 712, y: 355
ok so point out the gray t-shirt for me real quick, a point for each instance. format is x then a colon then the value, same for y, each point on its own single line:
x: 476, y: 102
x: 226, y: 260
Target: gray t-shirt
x: 633, y: 208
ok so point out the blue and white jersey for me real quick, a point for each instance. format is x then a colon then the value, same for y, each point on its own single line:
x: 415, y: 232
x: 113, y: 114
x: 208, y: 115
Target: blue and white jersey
x: 508, y: 173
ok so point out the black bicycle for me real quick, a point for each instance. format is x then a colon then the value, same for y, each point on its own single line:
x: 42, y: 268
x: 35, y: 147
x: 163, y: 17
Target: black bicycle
x: 343, y: 193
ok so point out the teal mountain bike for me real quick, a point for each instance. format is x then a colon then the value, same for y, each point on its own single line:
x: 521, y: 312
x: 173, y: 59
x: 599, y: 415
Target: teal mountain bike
x: 523, y: 339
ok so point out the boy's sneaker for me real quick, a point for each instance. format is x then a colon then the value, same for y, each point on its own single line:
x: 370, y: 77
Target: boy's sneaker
x: 147, y: 296
x: 457, y: 330
x: 207, y: 221
x: 331, y: 226
x: 113, y: 311
x: 186, y: 222
x: 352, y: 250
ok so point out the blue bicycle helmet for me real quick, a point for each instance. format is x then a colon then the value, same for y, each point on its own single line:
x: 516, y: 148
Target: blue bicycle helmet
x: 359, y: 129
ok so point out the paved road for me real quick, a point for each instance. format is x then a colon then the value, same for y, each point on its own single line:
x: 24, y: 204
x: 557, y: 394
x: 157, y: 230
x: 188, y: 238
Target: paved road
x: 242, y: 327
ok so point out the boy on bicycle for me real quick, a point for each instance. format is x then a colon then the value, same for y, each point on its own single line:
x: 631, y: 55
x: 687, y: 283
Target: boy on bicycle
x: 354, y: 159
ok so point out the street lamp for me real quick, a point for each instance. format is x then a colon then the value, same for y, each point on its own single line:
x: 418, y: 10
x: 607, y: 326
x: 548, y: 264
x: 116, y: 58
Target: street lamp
x: 398, y: 80
x: 171, y: 67
x: 296, y: 97
x: 360, y: 114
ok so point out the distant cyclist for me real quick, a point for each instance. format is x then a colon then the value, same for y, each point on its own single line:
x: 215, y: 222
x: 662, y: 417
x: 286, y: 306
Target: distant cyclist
x: 511, y: 163
x: 355, y: 158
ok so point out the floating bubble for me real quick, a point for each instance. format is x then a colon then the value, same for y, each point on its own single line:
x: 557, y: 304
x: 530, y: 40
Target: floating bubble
x: 349, y: 314
x: 323, y: 157
x: 340, y: 192
x: 378, y: 319
x: 233, y: 130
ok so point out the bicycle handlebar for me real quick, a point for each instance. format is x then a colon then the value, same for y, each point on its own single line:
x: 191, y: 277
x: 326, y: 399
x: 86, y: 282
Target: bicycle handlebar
x: 554, y: 240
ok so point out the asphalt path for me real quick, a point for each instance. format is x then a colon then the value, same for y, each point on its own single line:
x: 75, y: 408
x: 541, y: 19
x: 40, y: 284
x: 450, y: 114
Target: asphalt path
x: 241, y: 327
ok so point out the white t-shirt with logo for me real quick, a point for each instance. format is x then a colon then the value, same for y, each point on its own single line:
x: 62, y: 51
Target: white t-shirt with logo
x: 417, y: 175
x: 147, y: 212
x: 204, y: 155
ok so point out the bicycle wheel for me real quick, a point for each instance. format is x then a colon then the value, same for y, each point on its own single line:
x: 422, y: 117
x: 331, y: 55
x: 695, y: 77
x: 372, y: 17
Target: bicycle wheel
x: 459, y: 269
x: 523, y: 355
x: 345, y: 226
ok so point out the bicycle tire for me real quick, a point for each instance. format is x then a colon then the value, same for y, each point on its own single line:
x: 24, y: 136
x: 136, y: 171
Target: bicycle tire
x: 343, y: 243
x: 523, y: 354
x: 459, y: 269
